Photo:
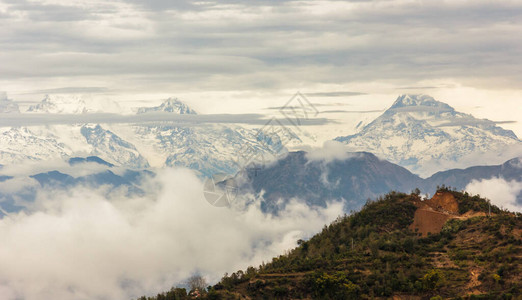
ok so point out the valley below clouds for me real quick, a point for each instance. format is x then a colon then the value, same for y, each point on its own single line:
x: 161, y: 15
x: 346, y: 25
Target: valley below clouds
x: 79, y: 243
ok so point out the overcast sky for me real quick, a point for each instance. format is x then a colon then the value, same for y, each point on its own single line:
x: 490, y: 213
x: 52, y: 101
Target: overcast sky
x: 234, y: 51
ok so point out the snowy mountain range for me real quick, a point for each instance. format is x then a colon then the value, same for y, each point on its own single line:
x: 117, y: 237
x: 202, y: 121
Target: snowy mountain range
x: 74, y: 104
x: 208, y: 149
x: 416, y: 132
x: 425, y: 135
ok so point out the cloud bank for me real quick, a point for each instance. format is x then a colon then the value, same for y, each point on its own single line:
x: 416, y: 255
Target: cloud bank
x: 16, y: 120
x: 145, y: 46
x: 502, y: 193
x: 76, y: 244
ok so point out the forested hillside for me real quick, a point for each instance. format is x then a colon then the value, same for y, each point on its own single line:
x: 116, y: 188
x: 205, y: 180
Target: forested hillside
x: 379, y: 253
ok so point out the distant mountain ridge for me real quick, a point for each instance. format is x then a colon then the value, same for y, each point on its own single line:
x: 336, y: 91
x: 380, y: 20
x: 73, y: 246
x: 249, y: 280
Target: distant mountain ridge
x: 360, y: 177
x: 426, y: 135
x: 459, y: 178
x: 355, y: 179
x: 104, y: 174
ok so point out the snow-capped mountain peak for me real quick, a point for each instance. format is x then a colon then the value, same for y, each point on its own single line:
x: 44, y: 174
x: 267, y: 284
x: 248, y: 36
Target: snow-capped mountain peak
x: 74, y: 104
x: 426, y: 135
x: 7, y: 105
x: 110, y: 146
x: 171, y: 105
x: 411, y: 100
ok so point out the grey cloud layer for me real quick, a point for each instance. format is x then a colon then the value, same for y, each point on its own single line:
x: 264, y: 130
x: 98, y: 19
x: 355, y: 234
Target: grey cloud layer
x: 259, y: 45
x: 29, y: 119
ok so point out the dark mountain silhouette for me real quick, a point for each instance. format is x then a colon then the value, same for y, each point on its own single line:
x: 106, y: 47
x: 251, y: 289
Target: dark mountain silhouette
x: 360, y: 177
x: 356, y: 179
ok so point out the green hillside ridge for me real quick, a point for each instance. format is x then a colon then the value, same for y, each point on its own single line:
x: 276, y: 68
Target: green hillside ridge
x: 374, y: 254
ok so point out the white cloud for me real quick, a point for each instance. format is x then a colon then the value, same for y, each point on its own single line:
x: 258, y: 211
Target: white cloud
x: 331, y: 151
x: 79, y: 245
x: 17, y: 185
x: 502, y: 193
